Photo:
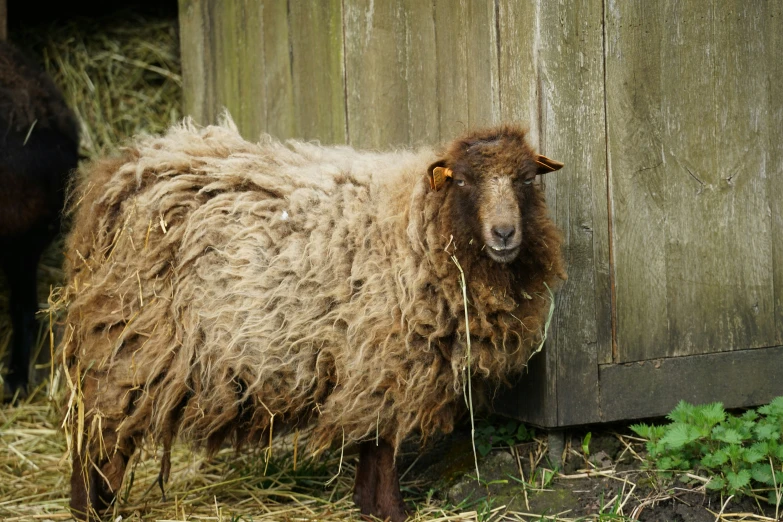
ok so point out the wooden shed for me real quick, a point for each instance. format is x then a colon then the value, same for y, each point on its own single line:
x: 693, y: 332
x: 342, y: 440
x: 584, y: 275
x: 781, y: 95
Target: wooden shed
x: 668, y: 116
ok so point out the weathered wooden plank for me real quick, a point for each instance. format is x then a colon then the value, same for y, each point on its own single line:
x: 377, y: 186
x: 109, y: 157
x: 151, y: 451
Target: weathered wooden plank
x: 653, y: 388
x: 466, y: 43
x: 240, y: 81
x: 480, y: 29
x: 518, y: 30
x: 278, y: 82
x: 195, y: 29
x: 686, y: 145
x: 774, y: 150
x: 421, y: 74
x: 451, y: 48
x: 375, y: 60
x: 533, y: 398
x: 390, y: 73
x: 3, y: 20
x: 318, y: 70
x: 572, y: 130
x: 637, y: 173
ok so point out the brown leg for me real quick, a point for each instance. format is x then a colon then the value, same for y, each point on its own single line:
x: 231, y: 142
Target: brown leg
x: 366, y: 479
x: 377, y: 489
x: 92, y: 491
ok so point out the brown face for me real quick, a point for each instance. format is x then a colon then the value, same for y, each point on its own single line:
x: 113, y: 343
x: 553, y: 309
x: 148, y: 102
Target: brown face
x: 491, y: 178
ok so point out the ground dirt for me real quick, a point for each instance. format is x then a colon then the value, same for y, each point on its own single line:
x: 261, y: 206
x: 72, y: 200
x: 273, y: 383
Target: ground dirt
x: 610, y: 483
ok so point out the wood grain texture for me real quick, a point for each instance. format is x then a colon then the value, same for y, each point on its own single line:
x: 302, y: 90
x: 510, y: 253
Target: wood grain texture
x: 318, y: 70
x: 3, y: 20
x: 375, y: 65
x: 571, y: 128
x: 195, y: 30
x: 518, y: 36
x: 653, y: 388
x: 278, y: 98
x: 390, y: 73
x: 774, y: 150
x: 467, y: 62
x: 693, y: 233
x: 421, y: 72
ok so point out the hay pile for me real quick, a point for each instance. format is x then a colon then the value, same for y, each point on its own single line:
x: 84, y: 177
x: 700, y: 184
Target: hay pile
x: 121, y: 74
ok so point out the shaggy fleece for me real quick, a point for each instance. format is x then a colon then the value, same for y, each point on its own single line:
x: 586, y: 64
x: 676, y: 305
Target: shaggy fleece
x: 218, y: 288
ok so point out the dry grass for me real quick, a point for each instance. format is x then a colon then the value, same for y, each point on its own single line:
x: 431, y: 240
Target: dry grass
x: 35, y: 471
x: 120, y: 74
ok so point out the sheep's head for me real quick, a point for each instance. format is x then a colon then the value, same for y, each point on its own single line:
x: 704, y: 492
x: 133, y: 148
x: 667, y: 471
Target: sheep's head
x: 488, y: 176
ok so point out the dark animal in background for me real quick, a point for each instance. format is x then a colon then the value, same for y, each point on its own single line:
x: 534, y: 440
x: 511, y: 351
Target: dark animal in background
x: 38, y: 148
x: 222, y: 290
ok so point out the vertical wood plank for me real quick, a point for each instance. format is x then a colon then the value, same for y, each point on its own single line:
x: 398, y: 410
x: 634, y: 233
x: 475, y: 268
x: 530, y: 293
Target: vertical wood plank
x: 194, y: 30
x: 451, y: 48
x: 572, y: 130
x: 421, y: 72
x: 375, y: 72
x: 481, y: 31
x: 637, y: 173
x: 239, y: 28
x: 278, y: 82
x: 773, y: 31
x: 518, y: 31
x: 318, y: 70
x: 3, y: 21
x: 687, y: 145
x: 466, y: 43
x: 390, y: 72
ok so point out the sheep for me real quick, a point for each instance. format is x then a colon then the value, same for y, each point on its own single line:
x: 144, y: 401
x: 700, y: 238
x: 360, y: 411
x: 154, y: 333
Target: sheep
x: 38, y: 148
x: 223, y: 290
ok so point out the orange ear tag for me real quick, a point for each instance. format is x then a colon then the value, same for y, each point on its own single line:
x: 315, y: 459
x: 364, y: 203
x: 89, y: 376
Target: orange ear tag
x: 438, y: 177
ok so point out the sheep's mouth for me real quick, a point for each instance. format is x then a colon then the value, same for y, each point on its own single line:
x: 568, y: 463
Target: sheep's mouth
x: 503, y: 254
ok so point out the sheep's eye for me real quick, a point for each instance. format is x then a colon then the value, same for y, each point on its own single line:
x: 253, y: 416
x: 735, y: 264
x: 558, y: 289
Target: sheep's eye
x: 528, y: 181
x: 460, y: 182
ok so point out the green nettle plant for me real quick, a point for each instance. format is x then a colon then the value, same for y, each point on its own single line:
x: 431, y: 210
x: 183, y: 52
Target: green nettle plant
x: 508, y: 434
x: 740, y: 454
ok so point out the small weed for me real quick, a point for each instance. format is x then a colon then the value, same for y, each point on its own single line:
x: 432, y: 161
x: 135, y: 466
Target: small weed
x: 511, y: 433
x: 586, y: 444
x: 740, y: 454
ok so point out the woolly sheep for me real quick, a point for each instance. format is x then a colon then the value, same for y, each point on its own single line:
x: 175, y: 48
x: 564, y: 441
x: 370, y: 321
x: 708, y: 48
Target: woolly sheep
x: 38, y: 147
x: 220, y: 289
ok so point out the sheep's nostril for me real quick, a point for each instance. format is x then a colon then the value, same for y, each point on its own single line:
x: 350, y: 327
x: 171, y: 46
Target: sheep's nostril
x: 504, y: 232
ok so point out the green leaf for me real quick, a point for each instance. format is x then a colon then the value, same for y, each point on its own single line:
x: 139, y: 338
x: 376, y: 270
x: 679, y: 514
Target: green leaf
x: 586, y: 444
x: 738, y: 480
x: 762, y: 473
x: 484, y: 448
x: 677, y: 436
x: 776, y: 407
x: 716, y: 483
x: 713, y: 413
x: 683, y: 412
x: 665, y: 463
x: 766, y: 431
x: 727, y: 435
x: 523, y: 435
x: 643, y: 430
x: 750, y: 416
x: 752, y: 455
x: 715, y: 460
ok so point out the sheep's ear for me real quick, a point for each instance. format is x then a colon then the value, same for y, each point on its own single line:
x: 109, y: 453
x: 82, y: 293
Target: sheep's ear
x: 438, y: 172
x: 545, y: 165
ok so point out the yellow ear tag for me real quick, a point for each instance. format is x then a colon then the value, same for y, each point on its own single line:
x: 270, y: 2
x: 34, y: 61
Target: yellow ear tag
x: 438, y: 177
